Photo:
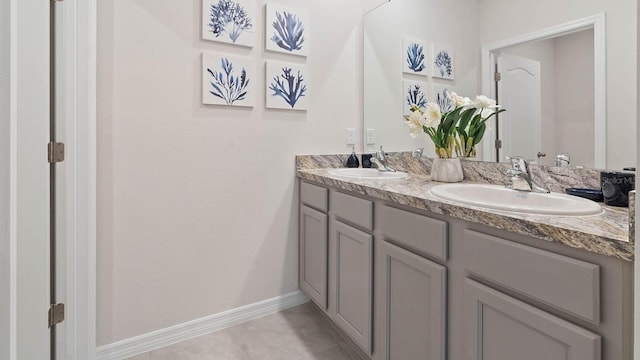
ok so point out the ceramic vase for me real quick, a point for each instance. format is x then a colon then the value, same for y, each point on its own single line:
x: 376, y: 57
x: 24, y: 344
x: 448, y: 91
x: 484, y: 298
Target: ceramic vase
x: 446, y: 170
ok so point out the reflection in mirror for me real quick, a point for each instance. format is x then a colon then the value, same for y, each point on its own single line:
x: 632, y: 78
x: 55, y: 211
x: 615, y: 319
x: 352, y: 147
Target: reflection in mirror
x: 532, y: 74
x: 567, y: 120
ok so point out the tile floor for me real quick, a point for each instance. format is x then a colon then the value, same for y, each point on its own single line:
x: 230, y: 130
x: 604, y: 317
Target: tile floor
x: 299, y: 333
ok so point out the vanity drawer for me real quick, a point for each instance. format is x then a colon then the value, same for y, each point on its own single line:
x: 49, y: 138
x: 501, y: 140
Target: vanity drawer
x: 314, y: 196
x: 567, y: 284
x: 352, y: 209
x: 416, y: 232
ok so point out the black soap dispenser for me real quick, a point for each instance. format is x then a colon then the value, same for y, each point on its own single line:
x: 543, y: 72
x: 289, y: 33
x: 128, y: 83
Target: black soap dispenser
x: 352, y: 161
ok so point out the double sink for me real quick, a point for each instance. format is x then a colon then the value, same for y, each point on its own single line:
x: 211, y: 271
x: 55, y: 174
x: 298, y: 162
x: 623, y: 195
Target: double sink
x: 495, y: 197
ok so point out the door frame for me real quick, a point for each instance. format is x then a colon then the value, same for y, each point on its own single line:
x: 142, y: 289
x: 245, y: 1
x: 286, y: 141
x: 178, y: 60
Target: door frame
x: 76, y: 26
x: 26, y: 213
x: 595, y: 22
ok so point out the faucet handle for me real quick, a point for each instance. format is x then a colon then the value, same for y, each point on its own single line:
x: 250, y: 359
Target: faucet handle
x: 380, y: 154
x: 519, y: 163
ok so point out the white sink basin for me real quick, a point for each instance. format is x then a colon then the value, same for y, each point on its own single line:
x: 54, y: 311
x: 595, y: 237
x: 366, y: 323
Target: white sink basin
x: 500, y: 198
x: 367, y: 174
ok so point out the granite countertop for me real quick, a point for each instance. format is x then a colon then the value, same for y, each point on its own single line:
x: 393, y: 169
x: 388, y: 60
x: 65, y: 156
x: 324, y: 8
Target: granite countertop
x: 606, y: 233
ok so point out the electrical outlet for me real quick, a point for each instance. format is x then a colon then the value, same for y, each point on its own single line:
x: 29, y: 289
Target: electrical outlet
x: 351, y: 136
x: 370, y: 137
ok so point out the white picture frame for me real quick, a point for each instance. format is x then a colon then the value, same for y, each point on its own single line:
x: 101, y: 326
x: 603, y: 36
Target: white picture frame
x: 443, y: 62
x: 415, y: 57
x: 235, y: 25
x: 280, y: 93
x: 278, y: 18
x: 414, y: 92
x: 439, y: 96
x: 228, y: 80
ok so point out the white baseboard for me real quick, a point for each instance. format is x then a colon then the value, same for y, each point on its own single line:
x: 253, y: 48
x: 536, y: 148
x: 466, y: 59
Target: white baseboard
x: 160, y: 338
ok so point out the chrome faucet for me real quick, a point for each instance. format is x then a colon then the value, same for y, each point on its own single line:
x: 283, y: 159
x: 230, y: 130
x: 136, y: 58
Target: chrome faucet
x: 563, y: 159
x: 380, y: 160
x: 521, y: 176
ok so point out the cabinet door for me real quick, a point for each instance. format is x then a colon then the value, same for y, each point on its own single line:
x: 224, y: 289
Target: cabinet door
x: 353, y: 282
x: 411, y: 303
x: 502, y: 328
x: 313, y: 255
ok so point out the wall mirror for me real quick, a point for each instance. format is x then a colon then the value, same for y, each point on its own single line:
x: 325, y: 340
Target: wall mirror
x: 581, y: 101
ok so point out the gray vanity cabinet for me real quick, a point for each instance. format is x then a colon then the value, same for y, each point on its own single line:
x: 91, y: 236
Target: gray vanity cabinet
x: 353, y: 269
x: 500, y: 327
x: 313, y: 253
x: 314, y: 242
x: 351, y: 266
x: 411, y: 305
x: 405, y: 284
x: 336, y: 258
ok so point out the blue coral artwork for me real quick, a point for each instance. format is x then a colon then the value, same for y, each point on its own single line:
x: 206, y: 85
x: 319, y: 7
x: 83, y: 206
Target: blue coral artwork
x: 227, y: 80
x: 441, y: 97
x: 287, y: 86
x: 443, y: 63
x: 287, y: 30
x: 229, y: 21
x: 414, y: 57
x: 414, y: 93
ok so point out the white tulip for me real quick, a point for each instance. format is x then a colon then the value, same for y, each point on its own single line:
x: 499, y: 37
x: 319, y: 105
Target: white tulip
x: 459, y: 101
x: 432, y: 115
x: 483, y: 102
x: 415, y: 123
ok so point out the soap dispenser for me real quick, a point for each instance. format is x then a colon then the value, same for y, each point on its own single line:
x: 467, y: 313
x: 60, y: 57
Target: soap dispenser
x: 352, y: 161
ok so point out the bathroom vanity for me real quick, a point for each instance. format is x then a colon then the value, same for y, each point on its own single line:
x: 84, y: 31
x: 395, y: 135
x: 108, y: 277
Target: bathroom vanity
x: 409, y: 276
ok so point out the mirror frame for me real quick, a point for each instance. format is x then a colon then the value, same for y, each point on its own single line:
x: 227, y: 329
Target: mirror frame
x: 597, y: 23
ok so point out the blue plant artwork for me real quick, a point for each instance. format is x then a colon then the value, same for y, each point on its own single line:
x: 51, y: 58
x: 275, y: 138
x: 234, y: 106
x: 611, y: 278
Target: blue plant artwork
x: 443, y: 100
x: 229, y: 18
x: 415, y: 57
x: 415, y: 96
x: 289, y: 31
x: 290, y: 87
x: 444, y: 64
x: 227, y: 86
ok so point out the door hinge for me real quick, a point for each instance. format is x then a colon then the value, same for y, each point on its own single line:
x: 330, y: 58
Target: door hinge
x: 56, y: 314
x: 55, y: 152
x: 498, y: 144
x: 497, y: 76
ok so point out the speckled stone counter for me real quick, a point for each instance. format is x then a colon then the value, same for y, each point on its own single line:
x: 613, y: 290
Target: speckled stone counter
x: 606, y: 233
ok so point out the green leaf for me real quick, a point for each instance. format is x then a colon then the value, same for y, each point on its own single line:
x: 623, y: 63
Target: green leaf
x: 465, y: 118
x: 481, y: 129
x: 497, y: 112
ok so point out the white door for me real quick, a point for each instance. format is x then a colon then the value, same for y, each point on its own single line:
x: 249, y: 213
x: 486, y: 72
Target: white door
x: 519, y: 91
x: 25, y: 244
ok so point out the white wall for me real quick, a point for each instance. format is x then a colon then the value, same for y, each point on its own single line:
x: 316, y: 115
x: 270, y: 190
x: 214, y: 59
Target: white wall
x: 197, y: 204
x: 528, y: 16
x: 575, y: 118
x: 384, y: 30
x: 5, y: 266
